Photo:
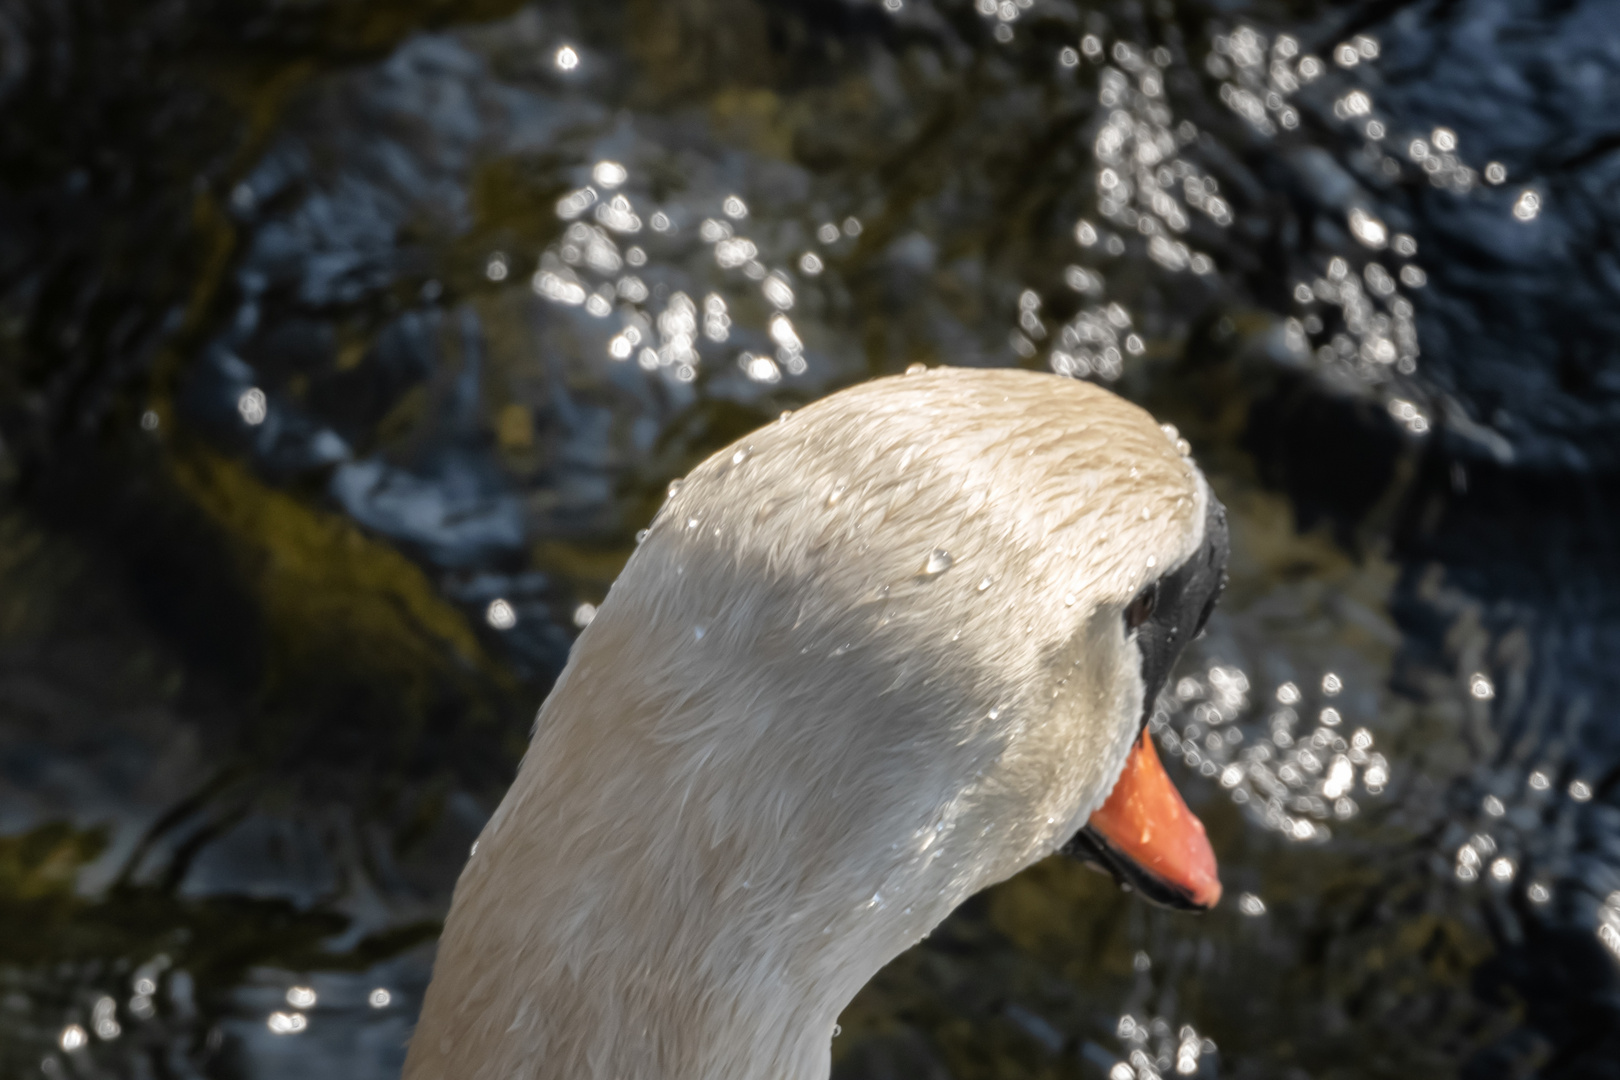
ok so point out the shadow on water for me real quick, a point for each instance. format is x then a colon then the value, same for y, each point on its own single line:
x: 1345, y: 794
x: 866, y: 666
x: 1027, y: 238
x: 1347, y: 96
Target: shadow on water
x: 345, y: 348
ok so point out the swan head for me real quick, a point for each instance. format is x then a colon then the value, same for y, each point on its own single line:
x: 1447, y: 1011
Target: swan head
x: 867, y: 661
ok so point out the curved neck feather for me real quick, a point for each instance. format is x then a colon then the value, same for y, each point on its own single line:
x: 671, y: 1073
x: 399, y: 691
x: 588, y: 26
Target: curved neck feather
x: 865, y: 665
x: 634, y: 935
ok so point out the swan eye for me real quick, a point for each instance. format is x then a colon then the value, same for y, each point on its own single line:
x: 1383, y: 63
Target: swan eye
x: 1140, y: 609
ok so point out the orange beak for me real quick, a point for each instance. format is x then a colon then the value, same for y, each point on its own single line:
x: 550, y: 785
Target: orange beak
x: 1146, y: 824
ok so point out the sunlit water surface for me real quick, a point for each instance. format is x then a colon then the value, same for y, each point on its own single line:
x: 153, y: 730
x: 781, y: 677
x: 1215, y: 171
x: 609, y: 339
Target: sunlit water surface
x: 346, y: 348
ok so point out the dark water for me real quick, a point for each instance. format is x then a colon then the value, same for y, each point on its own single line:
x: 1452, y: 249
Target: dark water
x: 345, y: 347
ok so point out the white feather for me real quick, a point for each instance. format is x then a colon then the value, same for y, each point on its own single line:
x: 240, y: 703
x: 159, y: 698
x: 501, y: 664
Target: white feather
x: 716, y: 839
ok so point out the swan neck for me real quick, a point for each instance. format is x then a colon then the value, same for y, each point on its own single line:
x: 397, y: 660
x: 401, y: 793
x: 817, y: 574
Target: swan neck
x: 605, y: 962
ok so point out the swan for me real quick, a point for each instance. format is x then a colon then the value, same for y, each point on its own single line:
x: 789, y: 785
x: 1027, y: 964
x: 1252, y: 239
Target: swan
x: 867, y: 661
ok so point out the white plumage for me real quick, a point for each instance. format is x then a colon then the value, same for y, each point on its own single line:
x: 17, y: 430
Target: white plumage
x: 868, y: 661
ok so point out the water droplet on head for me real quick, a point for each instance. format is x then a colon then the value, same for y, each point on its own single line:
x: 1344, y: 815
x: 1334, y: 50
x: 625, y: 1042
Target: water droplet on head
x: 837, y: 493
x: 742, y: 455
x: 986, y: 582
x: 939, y: 561
x: 674, y: 488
